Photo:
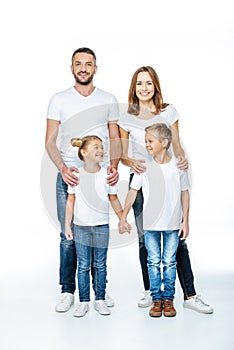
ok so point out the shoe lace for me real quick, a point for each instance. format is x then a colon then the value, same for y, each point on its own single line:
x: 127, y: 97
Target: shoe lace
x: 200, y: 302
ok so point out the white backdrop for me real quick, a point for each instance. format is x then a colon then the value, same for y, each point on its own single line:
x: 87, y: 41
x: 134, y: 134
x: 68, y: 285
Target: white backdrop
x: 190, y: 44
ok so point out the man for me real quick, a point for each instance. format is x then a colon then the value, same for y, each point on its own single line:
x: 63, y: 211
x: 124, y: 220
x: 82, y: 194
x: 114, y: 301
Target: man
x: 78, y: 111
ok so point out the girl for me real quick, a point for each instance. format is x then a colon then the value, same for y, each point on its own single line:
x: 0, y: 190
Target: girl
x: 88, y: 202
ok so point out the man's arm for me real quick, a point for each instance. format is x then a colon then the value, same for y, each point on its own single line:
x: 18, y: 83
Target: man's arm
x: 115, y: 152
x: 52, y: 129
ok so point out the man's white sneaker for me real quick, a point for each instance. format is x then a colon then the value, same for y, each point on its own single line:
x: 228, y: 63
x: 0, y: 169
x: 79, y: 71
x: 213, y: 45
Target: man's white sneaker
x: 66, y: 301
x: 101, y: 307
x: 82, y: 309
x: 146, y: 300
x: 197, y: 304
x: 108, y: 300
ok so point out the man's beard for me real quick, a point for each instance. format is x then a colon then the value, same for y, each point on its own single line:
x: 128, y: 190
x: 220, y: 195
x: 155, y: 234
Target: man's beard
x: 81, y: 82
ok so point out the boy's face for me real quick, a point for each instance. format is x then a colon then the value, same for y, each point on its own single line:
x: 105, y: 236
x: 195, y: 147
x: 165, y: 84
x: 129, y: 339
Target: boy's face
x: 153, y: 144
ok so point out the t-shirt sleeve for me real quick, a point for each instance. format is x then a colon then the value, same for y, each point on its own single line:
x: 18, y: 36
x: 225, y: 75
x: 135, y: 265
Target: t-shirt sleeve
x: 114, y: 110
x: 137, y: 181
x: 171, y: 115
x: 53, y: 110
x: 70, y: 190
x: 123, y: 122
x: 184, y: 180
x: 112, y: 189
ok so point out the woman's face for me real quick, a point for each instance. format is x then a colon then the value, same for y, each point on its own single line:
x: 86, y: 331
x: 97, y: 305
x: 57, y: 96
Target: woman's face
x: 144, y: 87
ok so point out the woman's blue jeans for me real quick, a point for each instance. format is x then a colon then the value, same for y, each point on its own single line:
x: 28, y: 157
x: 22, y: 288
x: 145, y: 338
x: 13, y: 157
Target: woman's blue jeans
x: 165, y: 259
x: 91, y: 240
x: 184, y: 269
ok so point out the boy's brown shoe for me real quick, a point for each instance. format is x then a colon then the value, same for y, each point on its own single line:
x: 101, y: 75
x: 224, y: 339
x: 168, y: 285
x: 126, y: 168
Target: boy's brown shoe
x: 168, y: 308
x: 156, y: 308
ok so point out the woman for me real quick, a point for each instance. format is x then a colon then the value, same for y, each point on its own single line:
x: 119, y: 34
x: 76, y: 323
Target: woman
x: 146, y: 107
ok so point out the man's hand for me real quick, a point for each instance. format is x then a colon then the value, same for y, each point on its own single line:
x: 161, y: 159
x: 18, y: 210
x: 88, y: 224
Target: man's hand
x: 69, y: 177
x: 113, y: 176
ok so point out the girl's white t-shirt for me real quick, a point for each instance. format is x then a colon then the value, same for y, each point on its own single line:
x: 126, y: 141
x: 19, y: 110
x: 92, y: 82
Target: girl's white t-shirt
x: 80, y: 116
x: 136, y: 129
x: 91, y: 198
x: 161, y: 185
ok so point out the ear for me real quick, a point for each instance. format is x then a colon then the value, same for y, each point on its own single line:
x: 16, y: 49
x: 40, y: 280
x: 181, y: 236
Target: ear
x: 95, y: 70
x: 71, y: 66
x: 165, y: 143
x: 83, y: 152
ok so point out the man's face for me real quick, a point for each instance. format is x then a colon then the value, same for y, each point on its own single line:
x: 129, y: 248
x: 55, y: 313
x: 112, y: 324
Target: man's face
x: 83, y: 68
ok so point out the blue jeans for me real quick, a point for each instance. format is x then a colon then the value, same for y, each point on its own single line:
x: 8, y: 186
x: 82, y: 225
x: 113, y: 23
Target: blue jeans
x: 184, y: 269
x: 91, y: 240
x: 68, y: 258
x: 167, y: 259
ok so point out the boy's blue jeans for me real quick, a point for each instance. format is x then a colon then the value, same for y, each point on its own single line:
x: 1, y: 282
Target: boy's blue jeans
x: 91, y: 240
x: 165, y: 259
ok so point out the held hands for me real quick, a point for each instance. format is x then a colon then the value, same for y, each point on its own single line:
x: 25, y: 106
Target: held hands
x: 69, y: 177
x: 124, y: 226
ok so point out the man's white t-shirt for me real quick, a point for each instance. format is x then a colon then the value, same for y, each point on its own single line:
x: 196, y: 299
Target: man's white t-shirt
x: 91, y: 198
x: 136, y: 129
x: 80, y: 116
x: 161, y: 185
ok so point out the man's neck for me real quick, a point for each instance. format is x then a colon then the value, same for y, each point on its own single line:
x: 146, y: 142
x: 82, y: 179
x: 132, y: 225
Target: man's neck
x: 84, y: 90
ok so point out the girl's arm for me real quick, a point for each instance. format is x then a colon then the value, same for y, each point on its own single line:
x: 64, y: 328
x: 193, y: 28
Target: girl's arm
x: 184, y: 228
x: 69, y: 215
x: 131, y: 196
x: 177, y: 148
x: 137, y: 165
x: 116, y: 205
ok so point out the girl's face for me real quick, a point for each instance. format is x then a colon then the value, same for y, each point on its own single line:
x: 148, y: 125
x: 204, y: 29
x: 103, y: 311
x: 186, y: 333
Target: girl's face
x: 94, y: 151
x: 144, y: 87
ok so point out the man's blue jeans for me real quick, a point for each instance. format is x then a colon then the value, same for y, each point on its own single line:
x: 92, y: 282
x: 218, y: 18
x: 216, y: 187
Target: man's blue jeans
x: 68, y: 258
x: 91, y: 240
x: 165, y: 259
x: 184, y: 269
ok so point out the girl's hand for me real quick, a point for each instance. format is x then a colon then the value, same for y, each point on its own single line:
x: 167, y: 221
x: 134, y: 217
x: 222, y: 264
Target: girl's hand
x: 124, y: 226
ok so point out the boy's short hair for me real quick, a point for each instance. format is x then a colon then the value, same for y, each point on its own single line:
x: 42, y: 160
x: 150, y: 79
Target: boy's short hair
x: 161, y: 131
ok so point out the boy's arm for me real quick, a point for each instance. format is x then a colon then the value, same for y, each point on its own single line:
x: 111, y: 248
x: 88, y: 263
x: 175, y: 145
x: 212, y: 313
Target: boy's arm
x: 131, y: 196
x: 184, y: 228
x: 69, y: 215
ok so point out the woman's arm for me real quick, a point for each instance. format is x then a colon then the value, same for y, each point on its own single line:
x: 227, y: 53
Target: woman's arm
x: 177, y: 148
x: 184, y: 228
x: 137, y: 165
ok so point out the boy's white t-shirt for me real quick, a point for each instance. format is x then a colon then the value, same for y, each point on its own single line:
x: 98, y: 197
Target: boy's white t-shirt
x: 136, y: 129
x: 161, y: 185
x: 91, y: 198
x: 80, y: 116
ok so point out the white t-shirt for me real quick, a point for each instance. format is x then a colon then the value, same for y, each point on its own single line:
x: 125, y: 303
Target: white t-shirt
x: 162, y: 185
x: 81, y: 116
x: 136, y: 129
x: 91, y: 198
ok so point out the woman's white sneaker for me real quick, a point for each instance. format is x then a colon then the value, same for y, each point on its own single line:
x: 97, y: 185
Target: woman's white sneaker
x: 101, y: 307
x: 146, y: 300
x: 82, y: 309
x: 197, y: 304
x: 66, y: 301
